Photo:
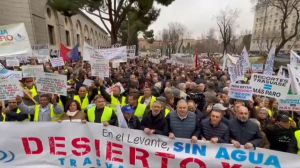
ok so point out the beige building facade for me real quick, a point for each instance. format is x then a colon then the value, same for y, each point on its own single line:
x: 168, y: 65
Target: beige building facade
x: 47, y: 26
x: 267, y: 27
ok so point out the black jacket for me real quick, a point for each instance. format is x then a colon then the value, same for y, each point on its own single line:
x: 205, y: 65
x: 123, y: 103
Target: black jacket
x: 133, y: 123
x: 245, y: 132
x: 158, y: 123
x: 281, y: 139
x: 208, y: 131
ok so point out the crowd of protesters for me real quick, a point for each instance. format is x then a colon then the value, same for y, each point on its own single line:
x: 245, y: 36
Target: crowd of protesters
x: 164, y: 99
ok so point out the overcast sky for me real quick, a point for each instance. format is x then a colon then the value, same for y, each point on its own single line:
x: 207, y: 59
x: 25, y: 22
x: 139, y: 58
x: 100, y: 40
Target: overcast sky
x: 199, y: 15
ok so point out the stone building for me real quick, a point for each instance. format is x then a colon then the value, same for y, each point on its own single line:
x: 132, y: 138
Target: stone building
x: 47, y: 26
x: 267, y: 27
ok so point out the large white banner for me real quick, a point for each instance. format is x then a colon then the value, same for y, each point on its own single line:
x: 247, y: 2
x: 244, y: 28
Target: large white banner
x: 270, y: 86
x: 54, y: 145
x: 51, y: 83
x: 14, y: 40
x: 118, y: 53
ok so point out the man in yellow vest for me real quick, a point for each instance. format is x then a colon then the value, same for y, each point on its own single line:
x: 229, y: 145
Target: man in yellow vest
x: 30, y: 87
x: 13, y: 113
x: 297, y: 136
x: 165, y: 108
x: 147, y: 99
x: 100, y: 113
x: 115, y: 98
x: 44, y: 111
x: 82, y: 98
x: 138, y: 107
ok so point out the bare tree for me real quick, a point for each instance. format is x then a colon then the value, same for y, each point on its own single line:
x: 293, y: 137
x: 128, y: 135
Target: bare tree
x: 226, y: 21
x: 208, y: 42
x: 288, y: 9
x: 173, y: 36
x: 289, y: 12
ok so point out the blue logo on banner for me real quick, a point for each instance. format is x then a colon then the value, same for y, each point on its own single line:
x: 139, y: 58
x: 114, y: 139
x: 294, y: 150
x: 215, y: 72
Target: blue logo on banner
x: 6, y: 156
x: 267, y: 87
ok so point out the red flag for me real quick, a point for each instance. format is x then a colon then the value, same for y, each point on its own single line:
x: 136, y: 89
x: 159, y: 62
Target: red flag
x: 196, y: 59
x: 64, y: 53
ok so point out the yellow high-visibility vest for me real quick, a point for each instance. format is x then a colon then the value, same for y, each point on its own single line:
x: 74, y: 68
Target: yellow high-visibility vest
x: 297, y: 135
x: 167, y: 111
x: 115, y: 102
x: 37, y: 113
x: 3, y: 117
x: 83, y: 104
x: 140, y: 110
x: 106, y: 115
x: 152, y: 100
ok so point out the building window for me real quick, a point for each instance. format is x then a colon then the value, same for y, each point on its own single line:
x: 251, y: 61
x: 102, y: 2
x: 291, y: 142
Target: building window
x: 275, y: 21
x: 49, y: 12
x: 78, y: 38
x: 51, y: 34
x: 68, y: 38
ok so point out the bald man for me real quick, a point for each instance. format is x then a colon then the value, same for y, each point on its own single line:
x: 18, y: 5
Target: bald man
x: 243, y: 131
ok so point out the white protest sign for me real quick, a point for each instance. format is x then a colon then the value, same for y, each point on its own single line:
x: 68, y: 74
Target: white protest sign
x: 51, y: 83
x: 14, y: 40
x: 294, y: 58
x: 240, y: 91
x: 115, y: 64
x: 4, y: 73
x: 270, y: 86
x: 131, y: 50
x: 53, y: 145
x: 100, y: 69
x: 270, y: 62
x: 283, y: 72
x: 257, y: 68
x: 99, y: 65
x: 294, y: 73
x: 32, y: 70
x: 41, y: 52
x: 154, y: 60
x: 12, y: 62
x: 88, y: 82
x: 169, y: 61
x: 16, y: 75
x: 57, y: 62
x: 290, y: 103
x: 10, y: 89
x: 119, y: 53
x: 88, y: 52
x: 245, y: 60
x: 236, y: 73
